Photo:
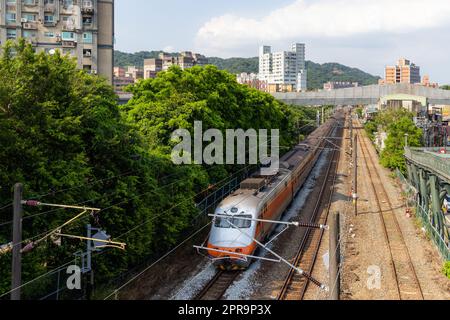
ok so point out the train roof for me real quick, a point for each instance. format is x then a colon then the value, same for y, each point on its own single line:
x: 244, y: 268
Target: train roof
x: 249, y: 199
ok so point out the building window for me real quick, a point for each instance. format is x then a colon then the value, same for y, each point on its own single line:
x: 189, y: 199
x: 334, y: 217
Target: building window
x: 68, y: 36
x: 11, y: 34
x: 29, y: 34
x: 49, y: 19
x: 11, y: 17
x: 87, y: 37
x: 29, y: 17
x: 87, y: 52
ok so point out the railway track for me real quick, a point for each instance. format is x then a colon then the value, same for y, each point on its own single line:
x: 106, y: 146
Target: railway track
x: 407, y: 284
x: 218, y: 285
x: 216, y: 288
x: 296, y: 285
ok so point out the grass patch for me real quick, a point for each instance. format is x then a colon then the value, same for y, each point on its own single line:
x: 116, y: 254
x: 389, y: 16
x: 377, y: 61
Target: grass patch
x: 446, y: 269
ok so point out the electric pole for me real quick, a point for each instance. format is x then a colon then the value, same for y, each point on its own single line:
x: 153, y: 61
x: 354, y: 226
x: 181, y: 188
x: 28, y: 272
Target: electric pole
x: 17, y: 243
x: 355, y: 179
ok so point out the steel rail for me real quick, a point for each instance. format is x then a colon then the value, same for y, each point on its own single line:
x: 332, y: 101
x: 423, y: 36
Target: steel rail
x: 383, y: 217
x: 309, y: 235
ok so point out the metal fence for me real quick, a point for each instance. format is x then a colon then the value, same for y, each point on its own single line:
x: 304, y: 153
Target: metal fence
x: 442, y: 244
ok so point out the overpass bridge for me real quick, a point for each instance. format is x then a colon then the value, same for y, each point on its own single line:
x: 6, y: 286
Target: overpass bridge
x: 364, y: 95
x: 429, y: 174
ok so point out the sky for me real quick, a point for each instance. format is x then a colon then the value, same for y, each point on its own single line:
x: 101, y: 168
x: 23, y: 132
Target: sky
x: 366, y: 34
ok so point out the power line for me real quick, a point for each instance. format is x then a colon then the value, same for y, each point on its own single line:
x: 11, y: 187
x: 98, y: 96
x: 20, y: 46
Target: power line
x: 101, y: 197
x: 6, y: 206
x: 156, y: 262
x: 40, y: 277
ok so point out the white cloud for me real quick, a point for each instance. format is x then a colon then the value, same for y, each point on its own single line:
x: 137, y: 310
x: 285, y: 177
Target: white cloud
x: 324, y: 18
x: 169, y: 49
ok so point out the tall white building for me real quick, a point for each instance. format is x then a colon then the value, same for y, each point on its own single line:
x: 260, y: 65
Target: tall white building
x: 285, y: 67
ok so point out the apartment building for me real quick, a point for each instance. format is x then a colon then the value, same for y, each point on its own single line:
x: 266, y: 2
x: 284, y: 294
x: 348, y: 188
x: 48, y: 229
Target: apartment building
x: 285, y: 69
x: 126, y: 76
x: 404, y: 72
x: 83, y: 29
x: 184, y: 60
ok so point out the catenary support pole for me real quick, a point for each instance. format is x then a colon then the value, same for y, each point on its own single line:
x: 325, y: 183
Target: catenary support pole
x: 335, y: 255
x: 17, y: 240
x: 355, y: 174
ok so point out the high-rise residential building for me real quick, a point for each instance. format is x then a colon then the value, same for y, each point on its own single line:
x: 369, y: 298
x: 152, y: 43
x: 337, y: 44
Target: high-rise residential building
x: 284, y: 69
x: 404, y: 72
x: 81, y: 28
x: 184, y: 60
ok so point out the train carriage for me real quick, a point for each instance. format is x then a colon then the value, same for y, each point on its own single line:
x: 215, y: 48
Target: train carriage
x: 231, y: 243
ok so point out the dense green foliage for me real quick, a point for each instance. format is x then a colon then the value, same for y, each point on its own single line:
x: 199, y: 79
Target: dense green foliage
x: 446, y: 87
x: 236, y: 65
x: 318, y: 74
x: 446, y: 269
x: 63, y: 135
x: 396, y: 123
x: 178, y: 98
x: 60, y: 128
x: 124, y: 59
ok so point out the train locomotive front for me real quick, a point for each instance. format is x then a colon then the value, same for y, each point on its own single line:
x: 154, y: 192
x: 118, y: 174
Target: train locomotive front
x: 233, y: 231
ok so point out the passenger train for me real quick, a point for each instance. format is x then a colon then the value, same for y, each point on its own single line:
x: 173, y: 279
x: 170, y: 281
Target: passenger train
x: 231, y: 243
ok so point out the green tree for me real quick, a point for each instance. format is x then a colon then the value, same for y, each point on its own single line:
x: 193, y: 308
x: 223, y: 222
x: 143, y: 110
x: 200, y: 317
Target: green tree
x: 393, y: 155
x: 63, y: 135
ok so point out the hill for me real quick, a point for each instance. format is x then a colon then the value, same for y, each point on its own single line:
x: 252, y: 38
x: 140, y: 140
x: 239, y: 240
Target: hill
x: 318, y: 74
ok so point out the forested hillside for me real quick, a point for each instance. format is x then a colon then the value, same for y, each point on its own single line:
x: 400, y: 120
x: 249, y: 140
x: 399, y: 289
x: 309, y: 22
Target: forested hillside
x: 318, y: 74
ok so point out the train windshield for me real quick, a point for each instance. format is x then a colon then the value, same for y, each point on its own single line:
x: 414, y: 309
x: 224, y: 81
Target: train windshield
x: 237, y: 221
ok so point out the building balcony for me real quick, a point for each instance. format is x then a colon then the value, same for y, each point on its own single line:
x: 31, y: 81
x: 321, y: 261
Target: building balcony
x: 50, y: 8
x: 68, y: 44
x: 30, y: 26
x: 11, y: 7
x: 50, y: 23
x: 87, y: 10
x: 68, y: 27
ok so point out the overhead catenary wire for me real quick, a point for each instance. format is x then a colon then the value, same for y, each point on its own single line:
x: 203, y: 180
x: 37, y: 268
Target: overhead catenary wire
x: 46, y: 233
x: 40, y: 277
x: 147, y: 221
x: 87, y: 201
x: 116, y: 291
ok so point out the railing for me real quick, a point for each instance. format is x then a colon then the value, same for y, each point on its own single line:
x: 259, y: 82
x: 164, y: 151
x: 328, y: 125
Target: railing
x: 426, y: 158
x: 442, y: 244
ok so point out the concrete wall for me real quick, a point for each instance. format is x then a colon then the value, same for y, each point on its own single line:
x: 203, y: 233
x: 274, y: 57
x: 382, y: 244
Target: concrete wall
x: 363, y: 95
x: 106, y: 38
